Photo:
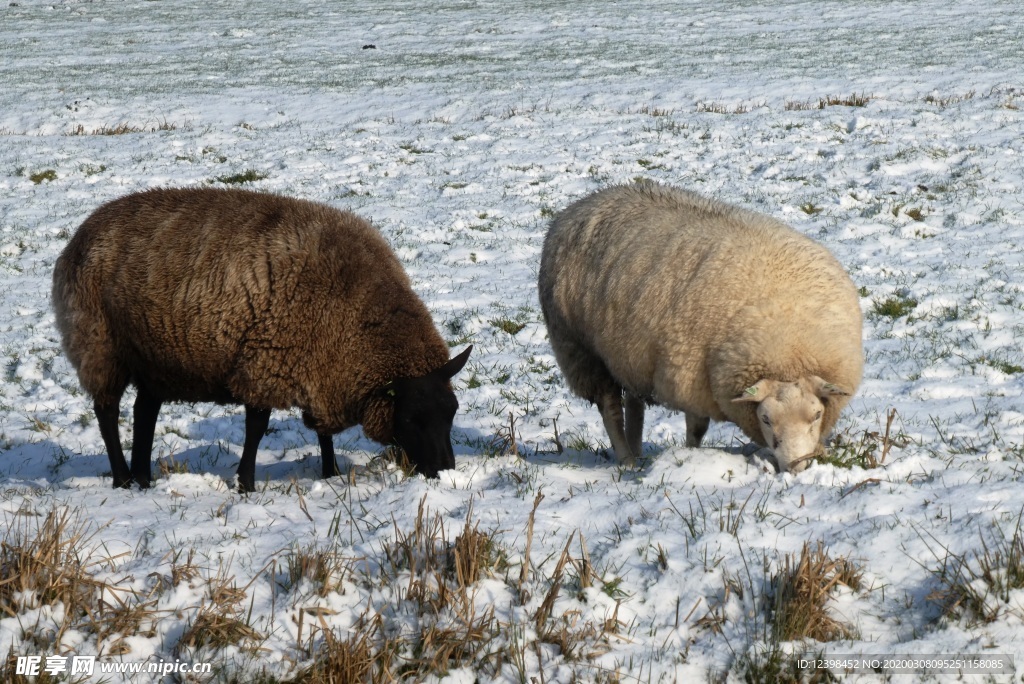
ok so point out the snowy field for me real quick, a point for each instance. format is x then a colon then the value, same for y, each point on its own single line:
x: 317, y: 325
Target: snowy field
x: 891, y: 132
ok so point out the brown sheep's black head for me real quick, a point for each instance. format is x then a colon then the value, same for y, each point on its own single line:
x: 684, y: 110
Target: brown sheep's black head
x: 424, y: 408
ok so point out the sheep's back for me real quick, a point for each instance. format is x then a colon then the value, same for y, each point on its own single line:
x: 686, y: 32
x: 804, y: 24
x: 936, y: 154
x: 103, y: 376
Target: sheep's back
x: 225, y: 295
x: 652, y: 278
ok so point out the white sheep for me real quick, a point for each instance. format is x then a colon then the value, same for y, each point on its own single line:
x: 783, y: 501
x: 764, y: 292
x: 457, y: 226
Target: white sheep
x: 680, y: 300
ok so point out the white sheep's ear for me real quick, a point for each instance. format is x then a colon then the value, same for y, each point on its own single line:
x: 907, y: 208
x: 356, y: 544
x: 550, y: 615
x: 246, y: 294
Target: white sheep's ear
x: 825, y: 389
x: 755, y: 393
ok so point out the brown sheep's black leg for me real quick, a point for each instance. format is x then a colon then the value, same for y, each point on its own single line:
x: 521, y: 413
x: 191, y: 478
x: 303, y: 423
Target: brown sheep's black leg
x: 256, y: 422
x: 327, y: 455
x: 147, y: 407
x: 106, y: 416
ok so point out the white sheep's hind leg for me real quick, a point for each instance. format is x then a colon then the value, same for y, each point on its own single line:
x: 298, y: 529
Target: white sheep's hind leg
x: 610, y: 404
x: 635, y: 424
x: 696, y: 427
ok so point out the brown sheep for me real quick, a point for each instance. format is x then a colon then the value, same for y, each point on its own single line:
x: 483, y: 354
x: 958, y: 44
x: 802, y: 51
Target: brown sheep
x: 231, y: 296
x: 676, y: 299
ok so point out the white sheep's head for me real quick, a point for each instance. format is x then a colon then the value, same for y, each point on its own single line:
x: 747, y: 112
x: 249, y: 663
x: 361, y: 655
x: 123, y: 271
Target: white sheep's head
x: 789, y: 415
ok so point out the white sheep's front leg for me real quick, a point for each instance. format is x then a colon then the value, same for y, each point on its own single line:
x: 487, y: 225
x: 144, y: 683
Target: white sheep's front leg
x: 610, y: 404
x: 696, y: 427
x: 635, y: 424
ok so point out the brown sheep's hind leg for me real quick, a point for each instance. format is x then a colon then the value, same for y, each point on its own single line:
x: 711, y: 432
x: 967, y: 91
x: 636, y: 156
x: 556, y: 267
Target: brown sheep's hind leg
x: 327, y: 455
x: 147, y: 407
x: 106, y: 416
x: 256, y: 422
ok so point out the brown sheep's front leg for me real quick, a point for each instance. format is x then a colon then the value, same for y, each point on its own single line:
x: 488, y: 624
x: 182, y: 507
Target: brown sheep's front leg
x: 256, y: 422
x: 106, y: 416
x: 147, y: 407
x: 327, y: 455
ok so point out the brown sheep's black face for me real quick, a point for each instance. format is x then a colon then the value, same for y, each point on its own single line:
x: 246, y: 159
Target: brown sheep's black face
x: 424, y: 410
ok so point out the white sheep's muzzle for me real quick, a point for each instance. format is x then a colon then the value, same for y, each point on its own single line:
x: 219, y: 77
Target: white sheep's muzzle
x: 789, y: 415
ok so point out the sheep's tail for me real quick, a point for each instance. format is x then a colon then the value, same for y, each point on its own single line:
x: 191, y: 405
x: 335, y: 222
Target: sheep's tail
x: 84, y: 329
x: 67, y: 302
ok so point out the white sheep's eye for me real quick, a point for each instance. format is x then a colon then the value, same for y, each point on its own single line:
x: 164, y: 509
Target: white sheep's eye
x: 817, y: 416
x: 764, y: 419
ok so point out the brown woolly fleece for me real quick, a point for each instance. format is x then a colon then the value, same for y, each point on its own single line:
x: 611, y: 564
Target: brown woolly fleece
x: 241, y: 297
x: 686, y: 302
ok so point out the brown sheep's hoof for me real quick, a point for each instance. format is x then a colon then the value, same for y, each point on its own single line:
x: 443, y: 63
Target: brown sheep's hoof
x: 127, y: 484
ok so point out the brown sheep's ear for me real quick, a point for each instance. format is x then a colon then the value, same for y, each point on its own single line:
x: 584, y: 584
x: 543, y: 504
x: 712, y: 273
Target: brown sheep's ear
x: 755, y: 393
x: 826, y: 389
x: 454, y: 364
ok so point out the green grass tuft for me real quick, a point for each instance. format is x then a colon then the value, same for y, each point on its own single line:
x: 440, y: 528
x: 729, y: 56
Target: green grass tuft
x: 40, y: 176
x: 249, y: 176
x: 512, y: 327
x: 895, y: 306
x: 914, y: 213
x: 1000, y: 365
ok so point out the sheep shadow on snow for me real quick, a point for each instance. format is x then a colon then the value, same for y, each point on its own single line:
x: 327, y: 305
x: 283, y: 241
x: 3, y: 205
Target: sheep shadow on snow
x: 601, y: 457
x: 288, y: 450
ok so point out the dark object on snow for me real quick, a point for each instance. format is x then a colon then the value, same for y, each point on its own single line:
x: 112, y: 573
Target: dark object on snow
x: 238, y: 297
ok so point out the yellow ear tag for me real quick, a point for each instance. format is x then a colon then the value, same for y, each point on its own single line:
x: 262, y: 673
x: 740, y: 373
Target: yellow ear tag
x: 750, y: 390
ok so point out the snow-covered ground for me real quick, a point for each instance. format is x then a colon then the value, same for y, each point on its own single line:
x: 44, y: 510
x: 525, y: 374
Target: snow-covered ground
x: 459, y: 133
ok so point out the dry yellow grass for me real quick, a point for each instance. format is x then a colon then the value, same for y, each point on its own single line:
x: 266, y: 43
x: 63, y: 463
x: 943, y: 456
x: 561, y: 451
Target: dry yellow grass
x: 801, y: 591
